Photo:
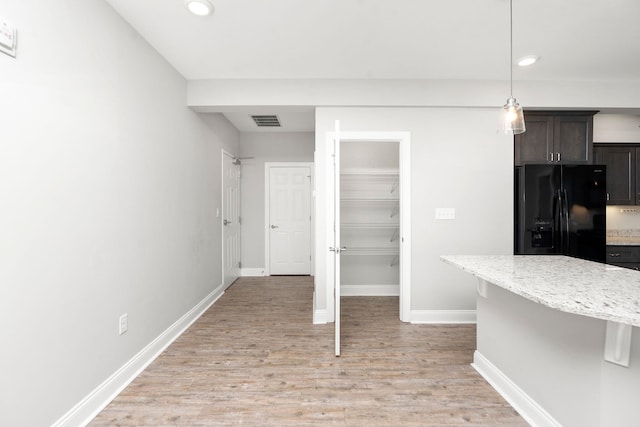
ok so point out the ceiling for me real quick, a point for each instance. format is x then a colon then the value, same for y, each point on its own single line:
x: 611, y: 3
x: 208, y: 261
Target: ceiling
x: 393, y: 39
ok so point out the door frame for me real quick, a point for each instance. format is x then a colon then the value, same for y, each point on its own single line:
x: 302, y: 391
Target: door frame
x: 404, y: 141
x: 267, y: 206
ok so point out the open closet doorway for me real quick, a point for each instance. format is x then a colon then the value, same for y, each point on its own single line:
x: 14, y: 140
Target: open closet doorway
x: 371, y: 218
x: 288, y: 219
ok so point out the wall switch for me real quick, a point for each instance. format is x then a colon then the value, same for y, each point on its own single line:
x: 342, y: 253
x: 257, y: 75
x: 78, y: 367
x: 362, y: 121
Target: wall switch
x: 8, y: 38
x: 217, y: 212
x: 445, y: 213
x: 123, y: 324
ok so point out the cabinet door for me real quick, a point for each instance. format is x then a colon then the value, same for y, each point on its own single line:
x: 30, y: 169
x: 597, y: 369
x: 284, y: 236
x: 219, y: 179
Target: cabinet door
x: 621, y: 173
x: 623, y: 254
x: 536, y: 144
x: 573, y: 139
x: 598, y: 155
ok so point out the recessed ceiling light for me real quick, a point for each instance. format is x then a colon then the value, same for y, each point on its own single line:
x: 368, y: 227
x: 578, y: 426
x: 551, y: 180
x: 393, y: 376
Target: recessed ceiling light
x: 199, y: 7
x: 527, y: 60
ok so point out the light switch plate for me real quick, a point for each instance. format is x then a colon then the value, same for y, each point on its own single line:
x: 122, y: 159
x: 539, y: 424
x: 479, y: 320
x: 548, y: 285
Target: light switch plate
x: 8, y: 38
x: 445, y: 213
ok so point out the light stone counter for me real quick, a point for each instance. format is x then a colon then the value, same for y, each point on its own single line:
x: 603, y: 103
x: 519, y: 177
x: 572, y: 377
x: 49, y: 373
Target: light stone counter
x: 563, y: 283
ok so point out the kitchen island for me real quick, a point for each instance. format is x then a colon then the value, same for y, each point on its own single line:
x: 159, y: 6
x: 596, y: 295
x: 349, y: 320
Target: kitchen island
x: 559, y: 337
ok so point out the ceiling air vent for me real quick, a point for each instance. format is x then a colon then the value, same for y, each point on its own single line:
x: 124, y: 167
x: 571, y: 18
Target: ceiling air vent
x: 266, y: 121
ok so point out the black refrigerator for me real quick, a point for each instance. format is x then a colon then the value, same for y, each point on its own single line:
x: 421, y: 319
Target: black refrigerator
x: 561, y: 209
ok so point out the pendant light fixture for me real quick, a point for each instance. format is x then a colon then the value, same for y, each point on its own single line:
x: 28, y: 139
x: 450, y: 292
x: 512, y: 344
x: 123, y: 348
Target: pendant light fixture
x: 512, y: 115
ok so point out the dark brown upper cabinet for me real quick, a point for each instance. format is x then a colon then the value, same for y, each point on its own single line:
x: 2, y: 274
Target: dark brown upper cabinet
x: 555, y: 137
x: 622, y: 172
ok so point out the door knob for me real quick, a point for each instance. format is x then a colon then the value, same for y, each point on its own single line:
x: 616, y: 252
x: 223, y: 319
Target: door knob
x: 274, y: 226
x: 338, y: 250
x: 225, y: 222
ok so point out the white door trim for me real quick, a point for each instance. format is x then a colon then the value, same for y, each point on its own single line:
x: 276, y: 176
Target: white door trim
x: 404, y: 140
x: 267, y: 234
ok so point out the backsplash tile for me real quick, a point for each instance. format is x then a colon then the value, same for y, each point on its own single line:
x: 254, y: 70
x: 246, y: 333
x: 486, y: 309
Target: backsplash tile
x: 623, y: 225
x: 623, y: 237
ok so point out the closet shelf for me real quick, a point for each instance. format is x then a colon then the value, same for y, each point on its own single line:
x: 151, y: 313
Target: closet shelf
x: 370, y: 172
x: 370, y: 200
x: 370, y: 250
x: 389, y: 226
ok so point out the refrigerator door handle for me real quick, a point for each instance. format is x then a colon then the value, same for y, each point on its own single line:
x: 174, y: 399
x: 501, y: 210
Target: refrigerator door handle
x: 565, y: 219
x: 560, y: 224
x: 557, y: 221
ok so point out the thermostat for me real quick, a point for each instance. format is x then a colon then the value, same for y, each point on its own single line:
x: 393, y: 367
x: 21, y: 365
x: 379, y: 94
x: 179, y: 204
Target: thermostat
x: 8, y: 38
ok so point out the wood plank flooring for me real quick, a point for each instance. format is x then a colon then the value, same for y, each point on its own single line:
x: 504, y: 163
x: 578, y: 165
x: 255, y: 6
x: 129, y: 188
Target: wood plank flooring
x: 255, y: 358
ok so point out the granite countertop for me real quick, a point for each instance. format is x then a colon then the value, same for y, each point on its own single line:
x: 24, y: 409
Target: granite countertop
x: 563, y: 283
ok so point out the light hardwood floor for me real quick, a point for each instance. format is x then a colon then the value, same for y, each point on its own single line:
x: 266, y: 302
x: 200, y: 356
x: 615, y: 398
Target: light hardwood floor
x: 255, y: 358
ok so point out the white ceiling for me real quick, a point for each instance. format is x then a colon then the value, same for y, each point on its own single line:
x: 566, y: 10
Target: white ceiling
x: 392, y: 39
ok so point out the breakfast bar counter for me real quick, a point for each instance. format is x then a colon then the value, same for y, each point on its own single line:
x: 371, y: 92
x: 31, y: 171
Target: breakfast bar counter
x: 558, y: 337
x: 563, y: 283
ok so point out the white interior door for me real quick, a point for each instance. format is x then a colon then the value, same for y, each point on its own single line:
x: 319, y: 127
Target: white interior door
x: 336, y: 248
x: 290, y: 220
x: 230, y: 219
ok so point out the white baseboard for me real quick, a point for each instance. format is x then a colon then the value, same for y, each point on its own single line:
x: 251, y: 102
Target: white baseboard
x: 369, y: 290
x: 443, y: 316
x: 252, y: 272
x: 85, y: 410
x: 320, y: 317
x: 528, y: 408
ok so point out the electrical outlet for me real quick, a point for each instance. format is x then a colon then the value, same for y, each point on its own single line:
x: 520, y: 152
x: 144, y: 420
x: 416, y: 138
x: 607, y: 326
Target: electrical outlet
x: 123, y: 324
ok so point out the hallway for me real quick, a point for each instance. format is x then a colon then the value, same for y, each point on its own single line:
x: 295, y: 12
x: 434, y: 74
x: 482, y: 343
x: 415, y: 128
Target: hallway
x: 254, y: 358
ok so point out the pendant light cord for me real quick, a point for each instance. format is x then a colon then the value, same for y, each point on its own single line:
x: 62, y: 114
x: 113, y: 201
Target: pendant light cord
x: 511, y: 46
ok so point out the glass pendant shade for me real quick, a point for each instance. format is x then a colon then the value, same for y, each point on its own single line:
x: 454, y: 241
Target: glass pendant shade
x: 513, y: 117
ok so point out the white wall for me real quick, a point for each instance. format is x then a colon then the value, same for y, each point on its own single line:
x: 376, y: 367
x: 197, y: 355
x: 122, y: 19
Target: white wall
x: 459, y: 160
x: 369, y: 155
x: 616, y: 128
x: 264, y: 147
x: 109, y: 186
x: 208, y: 95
